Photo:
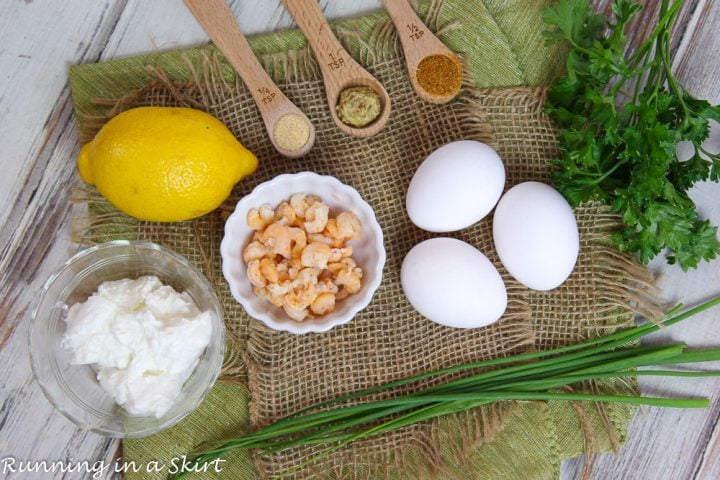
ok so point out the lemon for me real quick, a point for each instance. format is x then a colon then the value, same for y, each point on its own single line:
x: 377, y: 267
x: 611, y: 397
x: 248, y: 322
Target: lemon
x: 165, y: 164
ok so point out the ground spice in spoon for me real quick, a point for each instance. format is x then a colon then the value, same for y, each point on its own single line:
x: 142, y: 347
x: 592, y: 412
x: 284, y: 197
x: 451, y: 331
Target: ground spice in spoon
x: 291, y: 132
x: 440, y: 75
x: 358, y: 106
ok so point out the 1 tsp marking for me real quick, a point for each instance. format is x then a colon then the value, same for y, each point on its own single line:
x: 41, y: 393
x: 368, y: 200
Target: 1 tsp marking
x: 336, y: 62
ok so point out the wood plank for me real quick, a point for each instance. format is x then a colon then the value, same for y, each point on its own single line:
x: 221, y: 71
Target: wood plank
x: 39, y: 170
x: 39, y: 41
x: 709, y: 466
x: 665, y: 443
x: 32, y: 429
x: 645, y: 21
x: 698, y: 67
x: 140, y: 30
x: 696, y: 62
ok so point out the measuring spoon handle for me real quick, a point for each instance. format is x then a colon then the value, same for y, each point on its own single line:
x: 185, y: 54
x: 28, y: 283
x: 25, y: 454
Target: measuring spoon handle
x: 339, y: 69
x: 335, y: 62
x: 413, y: 33
x: 219, y: 22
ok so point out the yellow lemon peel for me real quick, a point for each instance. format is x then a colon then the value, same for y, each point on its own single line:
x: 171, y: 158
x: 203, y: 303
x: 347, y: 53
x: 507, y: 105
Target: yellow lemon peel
x: 165, y: 164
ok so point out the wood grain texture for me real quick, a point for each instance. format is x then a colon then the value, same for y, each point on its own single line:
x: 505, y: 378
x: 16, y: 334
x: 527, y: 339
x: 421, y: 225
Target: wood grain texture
x: 39, y: 40
x: 339, y: 69
x: 418, y: 43
x: 668, y: 444
x: 219, y: 22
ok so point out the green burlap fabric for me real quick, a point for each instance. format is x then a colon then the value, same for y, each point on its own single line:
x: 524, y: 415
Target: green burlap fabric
x: 502, y: 45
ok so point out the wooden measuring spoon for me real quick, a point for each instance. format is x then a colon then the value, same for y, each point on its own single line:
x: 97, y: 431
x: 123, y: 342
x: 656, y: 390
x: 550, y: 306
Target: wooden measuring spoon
x: 339, y: 69
x: 284, y: 121
x: 418, y: 43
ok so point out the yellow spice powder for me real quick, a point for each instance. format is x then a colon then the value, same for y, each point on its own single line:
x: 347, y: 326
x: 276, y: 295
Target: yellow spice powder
x: 440, y: 75
x: 291, y: 132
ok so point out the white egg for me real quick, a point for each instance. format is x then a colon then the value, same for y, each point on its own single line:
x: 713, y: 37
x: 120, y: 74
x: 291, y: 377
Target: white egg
x: 536, y: 235
x: 455, y: 187
x: 453, y: 283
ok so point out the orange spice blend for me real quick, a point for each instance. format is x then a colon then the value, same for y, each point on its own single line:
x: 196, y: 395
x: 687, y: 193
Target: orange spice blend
x: 440, y: 75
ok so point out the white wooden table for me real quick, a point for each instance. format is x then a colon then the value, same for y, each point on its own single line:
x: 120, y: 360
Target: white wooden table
x: 40, y: 39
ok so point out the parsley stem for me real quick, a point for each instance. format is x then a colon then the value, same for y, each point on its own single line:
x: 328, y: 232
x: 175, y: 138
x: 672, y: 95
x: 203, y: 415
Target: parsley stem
x: 667, y: 18
x: 672, y: 82
x: 618, y: 70
x: 610, y: 171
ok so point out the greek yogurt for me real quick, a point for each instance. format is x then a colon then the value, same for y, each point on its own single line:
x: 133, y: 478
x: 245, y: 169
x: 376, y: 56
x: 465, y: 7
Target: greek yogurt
x: 143, y: 338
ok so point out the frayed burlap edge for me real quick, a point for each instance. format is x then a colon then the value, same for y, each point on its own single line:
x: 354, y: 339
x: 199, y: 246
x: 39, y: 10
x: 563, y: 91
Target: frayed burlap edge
x: 439, y: 453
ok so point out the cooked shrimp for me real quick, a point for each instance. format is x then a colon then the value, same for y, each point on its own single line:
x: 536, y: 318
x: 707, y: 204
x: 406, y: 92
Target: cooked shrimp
x: 331, y: 229
x: 255, y: 275
x: 320, y: 237
x: 282, y: 269
x: 333, y: 235
x: 295, y: 263
x: 254, y: 251
x: 348, y: 226
x: 326, y: 285
x: 269, y: 270
x: 299, y: 241
x: 300, y: 298
x: 293, y: 272
x: 323, y: 303
x: 306, y: 277
x: 265, y: 293
x: 278, y: 290
x: 316, y: 217
x: 335, y: 267
x: 298, y: 258
x: 277, y: 237
x: 316, y: 255
x: 348, y: 262
x: 345, y: 263
x: 285, y: 213
x: 300, y: 203
x: 350, y: 278
x: 296, y: 314
x: 337, y: 254
x: 259, y: 218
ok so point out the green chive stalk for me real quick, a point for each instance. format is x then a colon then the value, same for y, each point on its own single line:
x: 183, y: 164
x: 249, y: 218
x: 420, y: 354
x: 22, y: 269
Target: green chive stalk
x: 534, y: 376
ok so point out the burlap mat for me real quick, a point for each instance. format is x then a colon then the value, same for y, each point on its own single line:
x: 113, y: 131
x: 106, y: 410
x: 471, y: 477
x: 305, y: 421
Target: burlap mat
x: 388, y: 340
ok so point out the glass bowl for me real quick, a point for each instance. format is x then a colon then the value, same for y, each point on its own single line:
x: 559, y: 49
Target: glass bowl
x: 368, y: 251
x: 74, y: 389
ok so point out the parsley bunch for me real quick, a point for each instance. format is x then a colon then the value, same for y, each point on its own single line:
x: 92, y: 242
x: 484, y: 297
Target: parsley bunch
x: 621, y: 115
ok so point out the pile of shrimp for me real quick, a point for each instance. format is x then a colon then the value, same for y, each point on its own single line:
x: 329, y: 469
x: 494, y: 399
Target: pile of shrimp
x: 299, y: 259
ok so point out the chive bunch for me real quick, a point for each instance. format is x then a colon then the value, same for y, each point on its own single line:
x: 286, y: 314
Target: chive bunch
x: 536, y: 376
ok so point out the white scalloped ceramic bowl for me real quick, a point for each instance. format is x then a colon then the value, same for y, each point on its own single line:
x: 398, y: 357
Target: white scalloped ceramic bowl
x: 369, y: 251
